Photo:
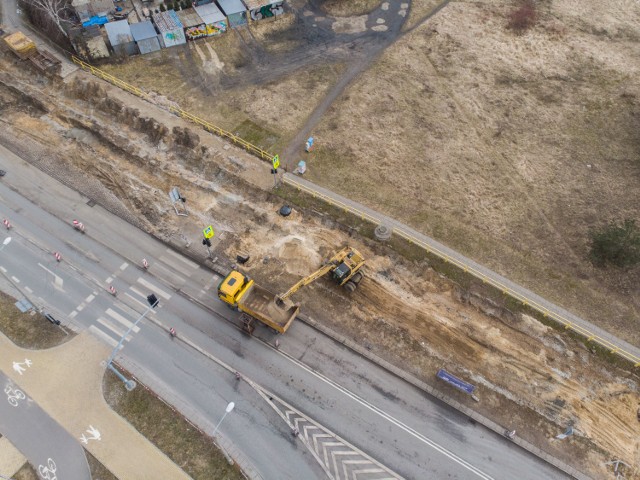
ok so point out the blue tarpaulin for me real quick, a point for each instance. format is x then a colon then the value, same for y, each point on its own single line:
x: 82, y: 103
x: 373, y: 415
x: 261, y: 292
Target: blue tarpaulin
x: 95, y: 21
x: 456, y: 382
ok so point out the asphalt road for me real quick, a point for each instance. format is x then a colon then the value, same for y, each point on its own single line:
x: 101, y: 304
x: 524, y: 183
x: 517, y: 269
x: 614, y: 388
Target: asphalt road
x: 347, y: 408
x: 48, y: 446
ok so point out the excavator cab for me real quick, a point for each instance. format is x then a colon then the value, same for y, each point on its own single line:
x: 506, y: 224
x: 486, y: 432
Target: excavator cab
x: 341, y: 272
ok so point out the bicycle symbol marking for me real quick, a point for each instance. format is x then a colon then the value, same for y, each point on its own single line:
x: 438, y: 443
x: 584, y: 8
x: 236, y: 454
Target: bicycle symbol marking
x: 48, y: 472
x: 13, y: 395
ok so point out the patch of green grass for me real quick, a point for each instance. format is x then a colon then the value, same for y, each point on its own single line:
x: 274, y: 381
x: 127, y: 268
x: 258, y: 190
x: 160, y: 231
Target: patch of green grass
x: 98, y: 471
x: 192, y: 450
x: 29, y: 330
x: 344, y: 218
x: 256, y: 135
x: 27, y: 472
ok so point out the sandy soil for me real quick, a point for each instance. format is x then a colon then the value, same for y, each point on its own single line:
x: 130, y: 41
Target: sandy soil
x: 528, y: 376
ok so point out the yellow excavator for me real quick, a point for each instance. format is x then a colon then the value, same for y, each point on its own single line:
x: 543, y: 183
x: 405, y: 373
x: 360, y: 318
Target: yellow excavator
x: 344, y: 266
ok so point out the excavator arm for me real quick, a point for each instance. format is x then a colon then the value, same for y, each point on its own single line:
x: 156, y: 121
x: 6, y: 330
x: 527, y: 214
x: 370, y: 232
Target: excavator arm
x: 306, y: 281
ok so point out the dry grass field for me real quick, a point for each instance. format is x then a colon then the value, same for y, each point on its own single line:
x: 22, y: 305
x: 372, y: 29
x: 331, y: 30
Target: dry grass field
x: 506, y: 147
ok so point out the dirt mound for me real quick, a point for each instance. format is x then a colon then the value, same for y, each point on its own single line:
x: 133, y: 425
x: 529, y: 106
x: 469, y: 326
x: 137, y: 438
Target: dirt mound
x: 300, y: 255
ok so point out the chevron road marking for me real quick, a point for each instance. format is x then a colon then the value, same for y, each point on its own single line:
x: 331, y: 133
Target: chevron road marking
x: 328, y: 448
x: 389, y: 418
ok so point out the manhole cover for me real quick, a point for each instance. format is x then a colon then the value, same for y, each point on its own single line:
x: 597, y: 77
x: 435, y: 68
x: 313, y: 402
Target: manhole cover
x: 382, y: 232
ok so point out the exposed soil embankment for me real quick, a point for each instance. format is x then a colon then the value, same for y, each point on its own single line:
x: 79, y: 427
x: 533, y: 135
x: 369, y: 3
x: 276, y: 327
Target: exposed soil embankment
x: 129, y: 153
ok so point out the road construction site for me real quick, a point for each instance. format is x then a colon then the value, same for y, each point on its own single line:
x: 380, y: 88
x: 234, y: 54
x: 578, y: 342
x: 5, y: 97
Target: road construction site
x: 127, y: 154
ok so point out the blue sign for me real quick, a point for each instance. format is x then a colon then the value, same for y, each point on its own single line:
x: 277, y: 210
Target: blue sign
x: 455, y: 381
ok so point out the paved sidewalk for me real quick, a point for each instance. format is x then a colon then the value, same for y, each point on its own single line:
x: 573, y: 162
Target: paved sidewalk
x: 583, y: 327
x: 66, y: 382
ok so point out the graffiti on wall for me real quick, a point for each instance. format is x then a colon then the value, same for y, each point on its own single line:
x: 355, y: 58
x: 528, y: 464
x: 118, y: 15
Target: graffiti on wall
x: 197, y: 31
x: 205, y: 30
x: 267, y: 11
x: 216, y: 28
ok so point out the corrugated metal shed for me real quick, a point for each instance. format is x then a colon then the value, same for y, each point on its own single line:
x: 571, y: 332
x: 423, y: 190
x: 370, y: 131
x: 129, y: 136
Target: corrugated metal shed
x: 235, y: 11
x: 82, y: 9
x: 257, y: 3
x: 210, y: 13
x: 145, y: 36
x: 170, y: 28
x: 189, y: 18
x: 230, y: 7
x: 120, y: 37
x: 143, y: 31
x: 119, y: 32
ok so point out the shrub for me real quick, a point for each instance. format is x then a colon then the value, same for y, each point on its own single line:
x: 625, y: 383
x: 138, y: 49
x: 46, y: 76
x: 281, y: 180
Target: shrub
x: 523, y: 18
x: 163, y: 8
x: 616, y: 244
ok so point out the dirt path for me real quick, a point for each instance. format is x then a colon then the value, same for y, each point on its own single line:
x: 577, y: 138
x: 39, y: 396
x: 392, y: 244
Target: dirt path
x: 367, y: 55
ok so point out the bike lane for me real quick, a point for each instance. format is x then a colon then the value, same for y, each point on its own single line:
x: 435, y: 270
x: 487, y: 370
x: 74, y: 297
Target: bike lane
x: 53, y: 452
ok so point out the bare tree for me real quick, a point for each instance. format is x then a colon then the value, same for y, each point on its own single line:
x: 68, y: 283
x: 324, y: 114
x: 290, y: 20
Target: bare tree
x: 53, y: 11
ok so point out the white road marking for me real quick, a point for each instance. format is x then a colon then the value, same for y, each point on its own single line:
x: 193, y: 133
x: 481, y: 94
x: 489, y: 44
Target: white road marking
x: 28, y: 289
x: 103, y: 336
x: 124, y: 265
x: 81, y: 307
x: 107, y: 324
x: 122, y: 320
x: 143, y: 305
x: 58, y: 282
x: 15, y: 279
x: 89, y: 298
x: 109, y: 280
x: 170, y: 273
x: 153, y: 288
x: 72, y: 314
x: 4, y: 270
x: 390, y: 418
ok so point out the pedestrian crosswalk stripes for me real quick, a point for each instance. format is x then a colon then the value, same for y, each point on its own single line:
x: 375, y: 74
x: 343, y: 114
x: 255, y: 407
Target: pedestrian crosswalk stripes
x: 153, y: 288
x: 122, y: 320
x: 108, y: 325
x: 103, y: 336
x: 140, y: 298
x: 175, y: 278
x: 121, y: 314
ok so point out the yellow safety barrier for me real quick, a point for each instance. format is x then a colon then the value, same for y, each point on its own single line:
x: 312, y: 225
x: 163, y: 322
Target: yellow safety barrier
x: 589, y: 336
x: 257, y: 151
